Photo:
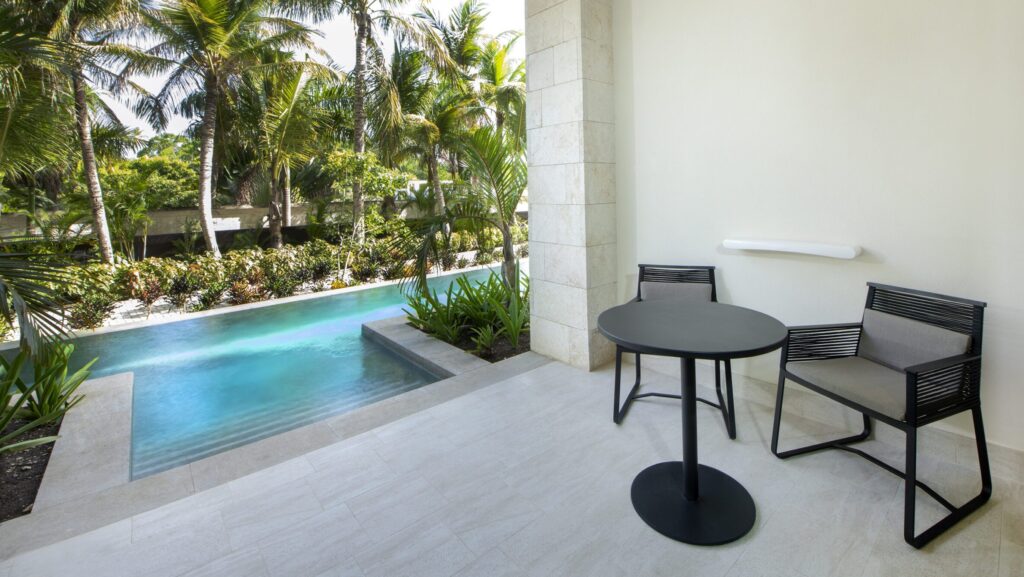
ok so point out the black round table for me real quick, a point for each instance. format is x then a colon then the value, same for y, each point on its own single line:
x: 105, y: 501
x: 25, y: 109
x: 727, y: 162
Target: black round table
x: 686, y: 501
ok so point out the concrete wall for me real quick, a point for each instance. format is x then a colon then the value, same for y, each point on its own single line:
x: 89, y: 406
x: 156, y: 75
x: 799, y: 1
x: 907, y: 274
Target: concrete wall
x: 898, y: 126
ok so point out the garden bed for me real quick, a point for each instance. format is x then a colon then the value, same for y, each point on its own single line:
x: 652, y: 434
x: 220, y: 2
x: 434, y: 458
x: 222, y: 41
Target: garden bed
x: 499, y: 351
x: 21, y: 472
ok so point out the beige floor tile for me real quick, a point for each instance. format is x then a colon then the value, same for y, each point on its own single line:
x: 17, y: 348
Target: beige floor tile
x: 530, y: 476
x: 254, y: 517
x: 242, y: 563
x: 423, y: 549
x: 323, y: 542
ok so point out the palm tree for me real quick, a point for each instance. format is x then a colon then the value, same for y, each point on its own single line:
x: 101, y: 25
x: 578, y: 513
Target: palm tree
x: 499, y: 167
x: 441, y: 125
x: 371, y: 19
x: 461, y: 33
x: 32, y: 97
x: 90, y: 27
x: 282, y: 118
x: 205, y: 45
x: 503, y: 86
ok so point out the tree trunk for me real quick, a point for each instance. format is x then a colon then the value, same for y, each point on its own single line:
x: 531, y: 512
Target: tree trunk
x: 359, y: 127
x: 92, y: 177
x: 434, y: 173
x: 274, y: 213
x: 440, y: 203
x: 207, y: 133
x: 508, y: 264
x: 287, y: 192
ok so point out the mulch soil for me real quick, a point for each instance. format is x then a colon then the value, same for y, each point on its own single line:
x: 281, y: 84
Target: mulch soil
x: 21, y: 472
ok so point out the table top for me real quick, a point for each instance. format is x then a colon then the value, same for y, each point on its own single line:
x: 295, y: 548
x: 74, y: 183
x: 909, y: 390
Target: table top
x: 694, y: 330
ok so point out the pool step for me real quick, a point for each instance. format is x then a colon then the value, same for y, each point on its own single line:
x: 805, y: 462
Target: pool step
x: 257, y: 425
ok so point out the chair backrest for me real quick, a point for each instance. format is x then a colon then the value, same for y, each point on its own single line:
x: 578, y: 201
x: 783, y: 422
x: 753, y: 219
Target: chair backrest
x: 905, y: 327
x: 658, y: 282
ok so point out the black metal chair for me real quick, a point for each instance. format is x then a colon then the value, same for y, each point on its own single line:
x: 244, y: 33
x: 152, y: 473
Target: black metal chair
x: 914, y: 359
x: 693, y: 283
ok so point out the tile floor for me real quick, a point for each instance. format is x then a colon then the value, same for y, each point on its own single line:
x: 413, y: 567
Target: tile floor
x: 530, y: 477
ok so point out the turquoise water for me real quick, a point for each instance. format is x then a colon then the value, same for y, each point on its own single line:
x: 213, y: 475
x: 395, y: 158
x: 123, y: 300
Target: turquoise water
x: 209, y: 384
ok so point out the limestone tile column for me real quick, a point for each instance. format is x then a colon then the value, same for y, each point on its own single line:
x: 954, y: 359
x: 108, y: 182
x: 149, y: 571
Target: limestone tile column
x: 571, y: 155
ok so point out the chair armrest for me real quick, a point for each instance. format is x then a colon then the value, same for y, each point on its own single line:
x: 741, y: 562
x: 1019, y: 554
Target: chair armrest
x: 942, y: 385
x: 816, y: 342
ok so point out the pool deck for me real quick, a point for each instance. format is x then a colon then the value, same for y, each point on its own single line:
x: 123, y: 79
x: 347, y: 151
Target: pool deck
x: 527, y: 475
x: 87, y: 484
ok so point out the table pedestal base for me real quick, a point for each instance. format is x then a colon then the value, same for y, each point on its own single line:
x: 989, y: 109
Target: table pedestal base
x: 722, y: 513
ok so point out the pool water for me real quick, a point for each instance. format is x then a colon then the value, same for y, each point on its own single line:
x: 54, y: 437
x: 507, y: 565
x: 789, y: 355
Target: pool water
x: 209, y: 384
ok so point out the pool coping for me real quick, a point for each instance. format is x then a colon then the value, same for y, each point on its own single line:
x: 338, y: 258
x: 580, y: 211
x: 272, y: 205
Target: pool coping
x: 73, y: 507
x: 433, y: 355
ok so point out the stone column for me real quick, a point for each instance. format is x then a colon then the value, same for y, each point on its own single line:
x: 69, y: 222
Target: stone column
x: 570, y: 122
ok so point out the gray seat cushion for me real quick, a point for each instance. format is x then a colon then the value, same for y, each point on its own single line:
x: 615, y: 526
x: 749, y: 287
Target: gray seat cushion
x: 899, y: 342
x: 862, y: 381
x: 695, y: 292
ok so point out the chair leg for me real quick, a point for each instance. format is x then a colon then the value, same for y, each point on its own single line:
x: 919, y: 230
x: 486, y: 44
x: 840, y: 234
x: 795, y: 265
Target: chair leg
x: 777, y: 421
x: 956, y: 514
x: 836, y: 444
x: 618, y: 382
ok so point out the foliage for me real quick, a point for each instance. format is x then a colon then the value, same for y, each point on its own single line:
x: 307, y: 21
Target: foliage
x: 347, y: 167
x: 163, y: 182
x: 182, y: 281
x: 477, y: 311
x: 53, y: 391
x: 29, y: 293
x: 213, y: 282
x: 14, y: 396
x: 282, y: 273
x: 145, y: 282
x: 90, y: 298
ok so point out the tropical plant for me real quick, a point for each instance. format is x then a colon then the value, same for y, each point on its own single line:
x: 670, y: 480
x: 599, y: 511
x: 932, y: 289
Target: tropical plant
x: 209, y: 44
x: 494, y: 195
x: 53, y: 391
x: 89, y: 299
x: 14, y: 395
x: 484, y: 338
x: 29, y: 294
x: 503, y: 87
x: 514, y: 311
x: 474, y: 311
x: 183, y: 282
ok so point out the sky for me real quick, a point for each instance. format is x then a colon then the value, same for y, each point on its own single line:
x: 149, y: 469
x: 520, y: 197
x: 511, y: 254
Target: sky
x: 338, y: 41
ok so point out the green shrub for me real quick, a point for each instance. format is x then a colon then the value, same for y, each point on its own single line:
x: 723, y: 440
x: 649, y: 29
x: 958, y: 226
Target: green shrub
x: 523, y: 251
x: 213, y: 283
x: 145, y: 282
x: 483, y: 257
x: 183, y: 282
x: 462, y: 262
x: 91, y: 298
x: 318, y: 260
x: 281, y: 273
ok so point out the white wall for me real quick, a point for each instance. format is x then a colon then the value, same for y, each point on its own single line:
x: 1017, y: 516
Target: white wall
x: 898, y: 126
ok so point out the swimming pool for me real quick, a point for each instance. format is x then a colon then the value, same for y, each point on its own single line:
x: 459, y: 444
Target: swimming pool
x: 209, y: 384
